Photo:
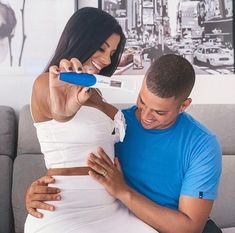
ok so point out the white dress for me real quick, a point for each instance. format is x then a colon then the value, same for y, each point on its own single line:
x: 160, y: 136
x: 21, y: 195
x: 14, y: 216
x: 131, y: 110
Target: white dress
x: 86, y: 207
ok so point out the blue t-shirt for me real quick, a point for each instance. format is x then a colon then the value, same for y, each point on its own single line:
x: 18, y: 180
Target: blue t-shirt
x: 163, y: 164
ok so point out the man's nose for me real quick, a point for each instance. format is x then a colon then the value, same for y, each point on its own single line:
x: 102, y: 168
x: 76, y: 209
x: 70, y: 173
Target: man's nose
x: 146, y: 113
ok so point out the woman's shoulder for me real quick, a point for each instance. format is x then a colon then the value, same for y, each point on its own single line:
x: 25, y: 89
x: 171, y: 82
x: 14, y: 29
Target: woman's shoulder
x: 39, y: 99
x: 40, y: 87
x: 41, y: 80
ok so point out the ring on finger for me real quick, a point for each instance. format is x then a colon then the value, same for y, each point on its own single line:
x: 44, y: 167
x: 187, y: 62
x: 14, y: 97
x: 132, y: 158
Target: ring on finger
x: 104, y: 173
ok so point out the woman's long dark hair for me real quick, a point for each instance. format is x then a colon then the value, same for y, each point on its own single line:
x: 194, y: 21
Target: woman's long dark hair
x: 86, y: 30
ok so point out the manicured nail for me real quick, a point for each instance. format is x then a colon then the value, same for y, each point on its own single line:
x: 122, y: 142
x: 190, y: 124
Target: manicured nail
x: 101, y: 149
x: 58, y: 198
x: 79, y: 70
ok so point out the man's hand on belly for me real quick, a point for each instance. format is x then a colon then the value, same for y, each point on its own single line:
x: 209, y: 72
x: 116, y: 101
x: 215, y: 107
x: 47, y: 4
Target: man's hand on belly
x: 39, y: 192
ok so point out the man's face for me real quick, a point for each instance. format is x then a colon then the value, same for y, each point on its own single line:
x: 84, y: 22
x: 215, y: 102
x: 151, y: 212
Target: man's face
x: 158, y: 113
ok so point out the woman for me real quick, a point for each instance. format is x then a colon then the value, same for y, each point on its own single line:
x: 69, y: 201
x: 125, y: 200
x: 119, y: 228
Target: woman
x: 72, y: 121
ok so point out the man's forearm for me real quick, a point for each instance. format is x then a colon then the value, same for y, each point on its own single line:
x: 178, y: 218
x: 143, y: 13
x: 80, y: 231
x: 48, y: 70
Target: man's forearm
x: 162, y: 219
x: 191, y: 215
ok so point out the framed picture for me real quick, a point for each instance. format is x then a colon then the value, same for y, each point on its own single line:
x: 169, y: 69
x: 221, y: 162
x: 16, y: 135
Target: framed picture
x: 201, y: 31
x: 29, y: 33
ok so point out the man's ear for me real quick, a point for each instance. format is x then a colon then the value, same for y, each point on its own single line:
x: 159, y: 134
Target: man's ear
x: 185, y: 104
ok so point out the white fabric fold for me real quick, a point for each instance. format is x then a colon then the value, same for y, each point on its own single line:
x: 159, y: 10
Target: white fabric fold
x: 120, y: 125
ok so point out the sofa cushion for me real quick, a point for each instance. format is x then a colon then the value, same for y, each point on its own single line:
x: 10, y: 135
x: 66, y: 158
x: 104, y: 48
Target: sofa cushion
x: 7, y: 131
x: 223, y: 212
x: 27, y: 141
x: 8, y: 137
x: 6, y: 219
x: 27, y: 168
x: 229, y: 230
x: 219, y: 118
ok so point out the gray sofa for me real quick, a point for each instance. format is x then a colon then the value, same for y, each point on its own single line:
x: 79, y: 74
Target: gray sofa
x: 28, y: 163
x: 7, y: 153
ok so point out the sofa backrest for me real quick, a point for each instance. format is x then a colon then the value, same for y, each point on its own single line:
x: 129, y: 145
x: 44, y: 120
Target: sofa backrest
x: 29, y: 163
x: 28, y: 166
x: 8, y: 137
x: 221, y: 120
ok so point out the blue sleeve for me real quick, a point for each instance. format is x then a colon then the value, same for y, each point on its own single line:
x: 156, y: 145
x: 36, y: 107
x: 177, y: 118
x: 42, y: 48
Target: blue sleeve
x: 203, y: 174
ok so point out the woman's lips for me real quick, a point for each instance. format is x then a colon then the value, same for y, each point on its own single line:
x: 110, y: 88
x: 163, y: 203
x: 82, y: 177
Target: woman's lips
x: 96, y: 65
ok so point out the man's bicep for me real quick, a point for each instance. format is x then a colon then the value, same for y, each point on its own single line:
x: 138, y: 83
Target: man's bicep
x: 201, y: 180
x: 198, y: 210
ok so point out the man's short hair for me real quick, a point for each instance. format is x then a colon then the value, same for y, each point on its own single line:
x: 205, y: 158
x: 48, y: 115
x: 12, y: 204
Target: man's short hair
x: 171, y: 76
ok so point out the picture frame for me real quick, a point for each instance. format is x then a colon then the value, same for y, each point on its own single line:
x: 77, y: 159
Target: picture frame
x: 29, y: 34
x: 201, y: 31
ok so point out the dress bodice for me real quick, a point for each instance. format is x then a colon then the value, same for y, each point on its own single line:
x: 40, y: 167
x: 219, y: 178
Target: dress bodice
x: 68, y: 144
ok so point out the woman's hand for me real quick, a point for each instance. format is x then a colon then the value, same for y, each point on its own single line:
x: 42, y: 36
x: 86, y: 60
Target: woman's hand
x: 65, y: 98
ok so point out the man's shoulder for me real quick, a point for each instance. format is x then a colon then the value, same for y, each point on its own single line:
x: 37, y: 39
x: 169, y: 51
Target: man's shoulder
x: 129, y: 110
x: 195, y: 125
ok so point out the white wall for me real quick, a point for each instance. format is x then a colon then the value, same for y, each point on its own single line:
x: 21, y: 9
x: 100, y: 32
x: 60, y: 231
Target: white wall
x: 207, y: 90
x: 15, y: 90
x: 83, y: 3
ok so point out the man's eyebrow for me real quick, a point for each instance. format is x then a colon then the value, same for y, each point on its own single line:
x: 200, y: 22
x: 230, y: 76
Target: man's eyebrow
x: 159, y: 111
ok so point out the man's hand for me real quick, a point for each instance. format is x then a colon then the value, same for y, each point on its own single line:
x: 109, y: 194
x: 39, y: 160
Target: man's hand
x: 39, y: 192
x: 107, y: 173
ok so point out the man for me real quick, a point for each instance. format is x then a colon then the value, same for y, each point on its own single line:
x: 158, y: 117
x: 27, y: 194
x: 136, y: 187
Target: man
x: 171, y: 163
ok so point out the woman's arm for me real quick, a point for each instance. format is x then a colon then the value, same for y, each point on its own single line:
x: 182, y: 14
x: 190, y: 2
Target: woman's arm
x: 40, y: 102
x: 55, y: 99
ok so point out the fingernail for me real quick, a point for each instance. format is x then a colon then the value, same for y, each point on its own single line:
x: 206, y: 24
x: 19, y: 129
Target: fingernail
x: 39, y: 215
x: 58, y: 197
x: 58, y: 191
x: 51, y: 208
x: 90, y: 71
x: 79, y: 70
x: 101, y: 149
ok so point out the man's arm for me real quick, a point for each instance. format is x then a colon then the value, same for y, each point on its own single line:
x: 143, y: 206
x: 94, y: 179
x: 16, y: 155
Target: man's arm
x: 190, y: 217
x: 38, y: 192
